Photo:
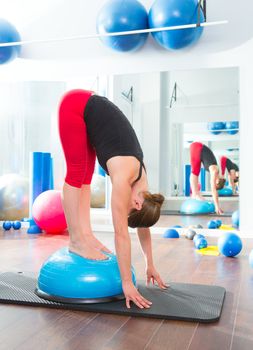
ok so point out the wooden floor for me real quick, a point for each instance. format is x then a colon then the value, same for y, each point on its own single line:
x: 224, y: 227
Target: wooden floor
x: 26, y: 328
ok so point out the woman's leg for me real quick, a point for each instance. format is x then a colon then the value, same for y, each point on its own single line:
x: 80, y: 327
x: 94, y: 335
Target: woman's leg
x: 74, y: 142
x: 85, y: 200
x: 195, y: 156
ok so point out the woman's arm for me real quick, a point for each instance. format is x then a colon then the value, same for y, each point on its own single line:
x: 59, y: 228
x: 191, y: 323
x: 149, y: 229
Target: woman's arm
x: 121, y: 194
x: 146, y: 245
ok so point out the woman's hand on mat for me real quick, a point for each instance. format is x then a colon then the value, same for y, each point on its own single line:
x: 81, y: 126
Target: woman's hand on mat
x: 132, y: 294
x: 218, y: 210
x: 153, y: 275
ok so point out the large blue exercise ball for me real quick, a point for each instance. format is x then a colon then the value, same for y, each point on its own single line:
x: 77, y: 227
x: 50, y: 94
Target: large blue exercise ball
x: 121, y: 16
x: 70, y: 278
x: 225, y: 192
x: 214, y: 126
x: 236, y: 219
x: 8, y: 34
x: 251, y: 258
x: 229, y: 244
x: 194, y: 206
x: 168, y: 13
x: 232, y: 128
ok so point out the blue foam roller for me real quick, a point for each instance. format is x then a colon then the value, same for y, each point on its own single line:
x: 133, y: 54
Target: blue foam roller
x: 225, y: 192
x: 229, y: 244
x: 68, y: 276
x: 194, y: 206
x: 171, y: 233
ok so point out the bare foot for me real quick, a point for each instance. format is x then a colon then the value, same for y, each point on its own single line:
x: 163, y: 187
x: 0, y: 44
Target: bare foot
x: 199, y: 197
x: 86, y: 251
x: 95, y: 243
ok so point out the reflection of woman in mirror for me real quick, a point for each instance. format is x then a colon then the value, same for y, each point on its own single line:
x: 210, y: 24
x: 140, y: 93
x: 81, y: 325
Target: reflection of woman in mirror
x: 233, y: 171
x: 200, y: 153
x: 91, y: 126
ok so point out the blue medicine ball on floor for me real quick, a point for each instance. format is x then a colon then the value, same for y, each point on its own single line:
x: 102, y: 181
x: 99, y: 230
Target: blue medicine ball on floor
x: 229, y: 244
x: 213, y: 126
x: 212, y: 224
x: 197, y: 236
x: 8, y: 34
x: 168, y: 13
x: 171, y: 233
x: 233, y: 127
x: 225, y: 192
x: 70, y: 278
x: 200, y: 243
x: 7, y: 225
x: 218, y: 223
x: 236, y: 219
x: 121, y: 16
x: 194, y: 206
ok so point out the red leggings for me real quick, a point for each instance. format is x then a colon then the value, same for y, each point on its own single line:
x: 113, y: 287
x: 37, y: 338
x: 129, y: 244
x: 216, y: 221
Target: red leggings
x: 80, y: 156
x: 195, y: 153
x: 223, y: 163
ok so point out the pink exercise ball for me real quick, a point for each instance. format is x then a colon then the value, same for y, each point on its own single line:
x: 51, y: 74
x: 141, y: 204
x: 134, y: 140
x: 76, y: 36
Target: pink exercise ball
x: 48, y: 212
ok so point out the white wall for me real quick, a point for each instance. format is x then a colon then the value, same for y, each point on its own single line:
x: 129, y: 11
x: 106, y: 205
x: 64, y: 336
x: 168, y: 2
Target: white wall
x: 222, y: 46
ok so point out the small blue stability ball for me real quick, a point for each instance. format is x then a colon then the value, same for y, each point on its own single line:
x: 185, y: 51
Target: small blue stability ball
x: 8, y: 34
x: 121, y: 16
x: 213, y: 126
x: 195, y: 206
x: 7, y: 225
x: 171, y: 233
x: 168, y: 13
x: 197, y: 236
x: 232, y: 128
x: 212, y: 224
x: 236, y: 219
x: 200, y: 243
x: 16, y: 225
x: 229, y: 244
x: 70, y: 278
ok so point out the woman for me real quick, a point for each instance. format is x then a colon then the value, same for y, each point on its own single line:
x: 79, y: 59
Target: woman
x: 90, y: 126
x: 232, y: 169
x: 200, y: 153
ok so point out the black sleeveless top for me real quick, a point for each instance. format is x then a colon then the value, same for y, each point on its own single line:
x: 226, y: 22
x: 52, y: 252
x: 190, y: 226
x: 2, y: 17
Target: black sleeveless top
x: 207, y: 157
x: 110, y: 132
x: 231, y: 166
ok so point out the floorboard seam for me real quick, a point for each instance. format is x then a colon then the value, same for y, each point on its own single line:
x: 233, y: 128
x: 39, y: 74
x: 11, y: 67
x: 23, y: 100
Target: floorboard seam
x: 193, y: 334
x: 117, y: 331
x: 154, y: 333
x: 236, y: 312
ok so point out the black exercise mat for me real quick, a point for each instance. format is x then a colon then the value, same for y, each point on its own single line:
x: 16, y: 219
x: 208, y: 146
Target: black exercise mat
x: 181, y: 301
x: 178, y: 213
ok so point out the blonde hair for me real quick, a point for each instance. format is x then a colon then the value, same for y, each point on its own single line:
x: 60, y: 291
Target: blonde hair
x: 149, y: 213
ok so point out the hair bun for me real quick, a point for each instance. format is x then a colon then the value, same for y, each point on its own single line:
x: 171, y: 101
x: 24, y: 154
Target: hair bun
x: 158, y: 198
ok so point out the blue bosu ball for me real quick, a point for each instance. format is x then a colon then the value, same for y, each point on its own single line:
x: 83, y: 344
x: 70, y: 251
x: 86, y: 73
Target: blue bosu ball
x: 171, y: 233
x: 225, y: 192
x: 70, y: 278
x: 194, y: 206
